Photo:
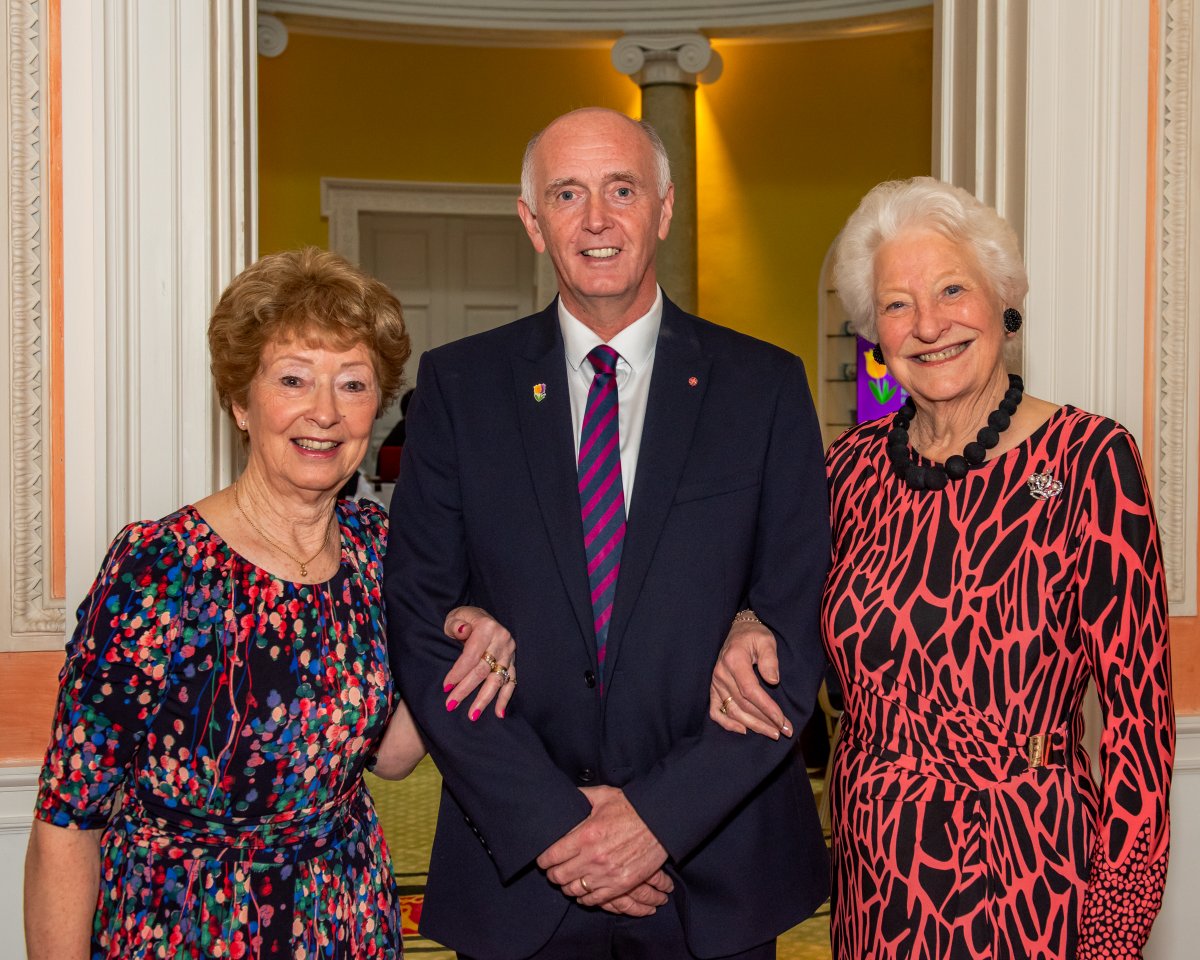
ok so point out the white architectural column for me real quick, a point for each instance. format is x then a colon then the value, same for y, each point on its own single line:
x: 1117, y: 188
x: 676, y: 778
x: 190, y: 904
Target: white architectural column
x: 1041, y: 112
x: 667, y: 67
x: 159, y: 172
x: 979, y: 101
x: 1085, y: 204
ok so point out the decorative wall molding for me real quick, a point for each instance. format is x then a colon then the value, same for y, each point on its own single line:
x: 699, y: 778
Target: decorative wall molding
x: 37, y: 620
x: 343, y: 200
x: 1176, y: 371
x: 1187, y: 744
x: 18, y: 796
x: 18, y: 790
x: 575, y: 23
x: 576, y: 15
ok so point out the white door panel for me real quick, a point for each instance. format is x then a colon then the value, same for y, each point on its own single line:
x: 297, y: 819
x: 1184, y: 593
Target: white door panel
x: 455, y: 276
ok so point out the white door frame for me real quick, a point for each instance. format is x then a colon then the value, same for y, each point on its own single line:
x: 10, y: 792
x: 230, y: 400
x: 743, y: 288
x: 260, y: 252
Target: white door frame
x: 342, y: 200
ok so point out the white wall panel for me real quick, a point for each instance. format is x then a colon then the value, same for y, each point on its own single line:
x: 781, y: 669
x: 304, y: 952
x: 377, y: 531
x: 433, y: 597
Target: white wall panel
x: 1177, y: 930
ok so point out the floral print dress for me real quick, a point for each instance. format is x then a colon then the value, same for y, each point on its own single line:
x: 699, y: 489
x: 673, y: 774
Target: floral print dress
x: 214, y: 721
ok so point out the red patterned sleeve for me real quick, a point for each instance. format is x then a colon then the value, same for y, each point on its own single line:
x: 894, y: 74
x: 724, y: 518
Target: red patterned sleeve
x: 1123, y: 615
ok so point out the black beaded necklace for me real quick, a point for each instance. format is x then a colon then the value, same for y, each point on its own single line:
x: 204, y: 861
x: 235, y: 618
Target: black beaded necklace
x: 937, y: 476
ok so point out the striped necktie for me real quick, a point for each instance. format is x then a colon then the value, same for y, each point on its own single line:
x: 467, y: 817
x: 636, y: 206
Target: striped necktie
x: 601, y: 496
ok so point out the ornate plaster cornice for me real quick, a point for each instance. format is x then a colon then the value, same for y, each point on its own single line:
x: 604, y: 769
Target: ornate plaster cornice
x: 537, y: 23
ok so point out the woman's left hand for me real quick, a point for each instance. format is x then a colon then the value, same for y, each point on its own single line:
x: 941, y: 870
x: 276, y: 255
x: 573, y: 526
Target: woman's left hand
x: 488, y: 661
x: 736, y: 698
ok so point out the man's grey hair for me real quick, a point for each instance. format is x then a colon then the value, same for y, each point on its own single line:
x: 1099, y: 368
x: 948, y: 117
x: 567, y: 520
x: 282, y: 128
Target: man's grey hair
x: 923, y: 203
x: 662, y: 163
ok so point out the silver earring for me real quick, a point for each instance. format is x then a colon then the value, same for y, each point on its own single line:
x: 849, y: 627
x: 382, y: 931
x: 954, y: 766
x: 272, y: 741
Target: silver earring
x: 243, y: 424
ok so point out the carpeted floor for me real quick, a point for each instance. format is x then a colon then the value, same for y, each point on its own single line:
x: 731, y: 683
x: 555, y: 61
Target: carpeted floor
x: 408, y: 812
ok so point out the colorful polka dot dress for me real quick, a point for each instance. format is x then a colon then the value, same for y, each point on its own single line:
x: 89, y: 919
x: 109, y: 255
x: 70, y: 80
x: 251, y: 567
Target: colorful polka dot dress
x: 214, y: 720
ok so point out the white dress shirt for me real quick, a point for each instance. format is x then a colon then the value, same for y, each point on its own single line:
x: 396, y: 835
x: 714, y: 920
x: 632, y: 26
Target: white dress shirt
x: 635, y: 346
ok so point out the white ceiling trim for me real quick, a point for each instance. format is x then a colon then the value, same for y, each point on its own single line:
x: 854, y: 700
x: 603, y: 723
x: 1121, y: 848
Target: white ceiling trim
x: 576, y: 22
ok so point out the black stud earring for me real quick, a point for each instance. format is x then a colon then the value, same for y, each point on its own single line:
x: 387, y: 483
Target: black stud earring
x: 1012, y: 320
x: 877, y: 354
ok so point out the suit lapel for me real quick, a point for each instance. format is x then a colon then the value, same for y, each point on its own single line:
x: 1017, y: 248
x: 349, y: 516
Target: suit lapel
x: 546, y: 431
x: 671, y: 412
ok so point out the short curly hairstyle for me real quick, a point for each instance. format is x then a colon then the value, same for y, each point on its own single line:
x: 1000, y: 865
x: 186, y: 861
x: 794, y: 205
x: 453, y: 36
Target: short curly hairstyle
x: 929, y: 204
x: 316, y: 297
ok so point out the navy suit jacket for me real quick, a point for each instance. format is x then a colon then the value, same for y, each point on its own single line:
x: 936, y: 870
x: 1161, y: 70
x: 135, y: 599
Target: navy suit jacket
x: 729, y: 509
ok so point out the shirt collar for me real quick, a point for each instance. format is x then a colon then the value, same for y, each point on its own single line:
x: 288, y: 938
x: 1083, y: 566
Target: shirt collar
x: 635, y: 343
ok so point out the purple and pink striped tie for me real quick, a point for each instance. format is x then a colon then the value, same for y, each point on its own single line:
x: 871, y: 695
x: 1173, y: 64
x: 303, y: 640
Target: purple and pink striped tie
x: 601, y: 495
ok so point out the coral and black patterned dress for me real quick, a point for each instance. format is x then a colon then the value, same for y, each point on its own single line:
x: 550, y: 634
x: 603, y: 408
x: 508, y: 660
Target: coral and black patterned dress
x: 214, y: 720
x: 964, y: 625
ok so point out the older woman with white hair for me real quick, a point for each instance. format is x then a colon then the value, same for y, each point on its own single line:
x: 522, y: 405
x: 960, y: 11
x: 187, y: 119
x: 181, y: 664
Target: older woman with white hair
x: 992, y: 553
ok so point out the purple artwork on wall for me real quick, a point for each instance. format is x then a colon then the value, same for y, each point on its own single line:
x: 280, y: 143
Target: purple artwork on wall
x: 879, y: 395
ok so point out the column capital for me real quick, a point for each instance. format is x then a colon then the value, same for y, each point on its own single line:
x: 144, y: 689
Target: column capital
x: 272, y: 35
x: 678, y: 58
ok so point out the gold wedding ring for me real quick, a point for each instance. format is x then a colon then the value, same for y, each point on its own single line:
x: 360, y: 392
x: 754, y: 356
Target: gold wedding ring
x: 725, y: 704
x: 583, y: 882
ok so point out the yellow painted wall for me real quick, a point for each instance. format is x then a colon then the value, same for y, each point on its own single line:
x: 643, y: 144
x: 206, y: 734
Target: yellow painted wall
x: 379, y: 110
x: 789, y: 139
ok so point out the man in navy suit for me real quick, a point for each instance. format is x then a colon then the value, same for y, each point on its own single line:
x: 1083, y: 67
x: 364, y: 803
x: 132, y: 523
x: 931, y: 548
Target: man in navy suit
x: 612, y: 480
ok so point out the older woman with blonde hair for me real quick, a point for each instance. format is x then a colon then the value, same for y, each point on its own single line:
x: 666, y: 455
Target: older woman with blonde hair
x: 992, y: 554
x: 227, y: 682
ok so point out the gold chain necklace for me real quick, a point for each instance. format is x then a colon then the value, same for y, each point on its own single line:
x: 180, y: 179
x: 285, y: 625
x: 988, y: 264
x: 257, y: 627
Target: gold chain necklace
x: 303, y: 564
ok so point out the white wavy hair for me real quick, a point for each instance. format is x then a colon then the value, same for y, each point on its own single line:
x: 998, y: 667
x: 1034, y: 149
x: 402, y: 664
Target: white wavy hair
x: 927, y: 204
x: 662, y: 163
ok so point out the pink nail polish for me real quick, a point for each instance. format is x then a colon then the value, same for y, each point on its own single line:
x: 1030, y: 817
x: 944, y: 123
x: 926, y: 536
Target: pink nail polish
x: 462, y: 628
x: 501, y: 713
x: 451, y: 704
x: 474, y: 715
x: 447, y: 687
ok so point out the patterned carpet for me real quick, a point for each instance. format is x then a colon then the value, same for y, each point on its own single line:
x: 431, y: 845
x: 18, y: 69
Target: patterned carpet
x: 408, y: 811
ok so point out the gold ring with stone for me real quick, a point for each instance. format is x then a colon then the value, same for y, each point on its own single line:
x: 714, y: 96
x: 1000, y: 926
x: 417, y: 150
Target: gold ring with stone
x: 725, y: 704
x: 500, y: 668
x: 489, y: 660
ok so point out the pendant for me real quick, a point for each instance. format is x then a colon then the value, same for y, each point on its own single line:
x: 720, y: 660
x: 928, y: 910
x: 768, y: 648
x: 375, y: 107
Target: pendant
x: 303, y: 570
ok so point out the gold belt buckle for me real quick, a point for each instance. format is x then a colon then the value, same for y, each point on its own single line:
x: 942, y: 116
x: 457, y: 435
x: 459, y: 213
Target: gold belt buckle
x: 1035, y: 750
